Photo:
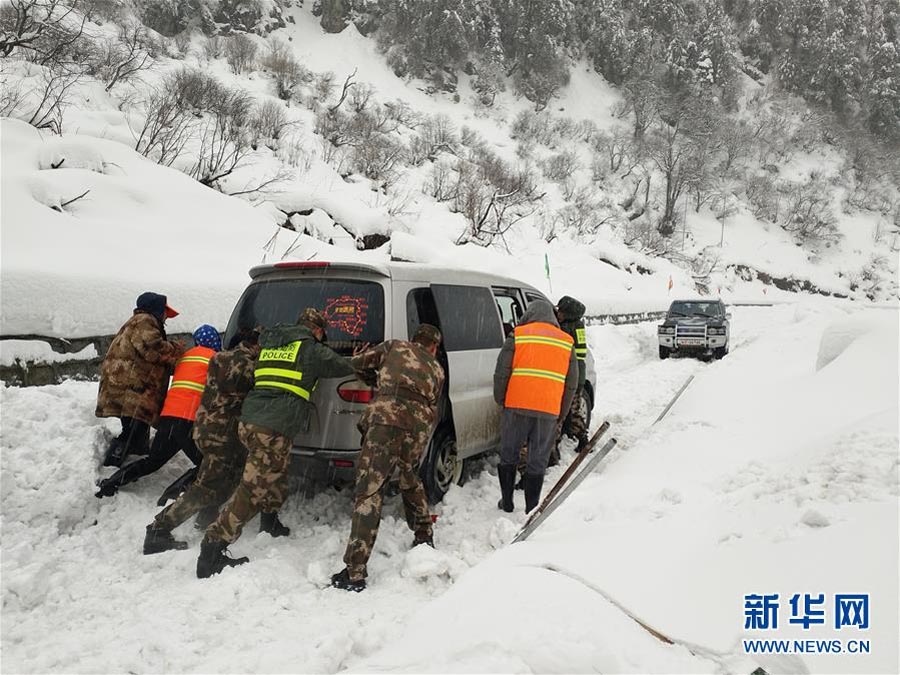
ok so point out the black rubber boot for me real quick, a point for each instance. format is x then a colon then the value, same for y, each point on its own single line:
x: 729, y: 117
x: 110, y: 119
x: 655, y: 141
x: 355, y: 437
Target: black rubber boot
x: 110, y: 486
x: 115, y: 453
x: 507, y: 475
x: 533, y: 484
x: 158, y: 540
x: 520, y: 484
x: 343, y: 581
x: 268, y: 522
x: 213, y: 560
x: 206, y: 516
x: 423, y: 538
x: 178, y: 486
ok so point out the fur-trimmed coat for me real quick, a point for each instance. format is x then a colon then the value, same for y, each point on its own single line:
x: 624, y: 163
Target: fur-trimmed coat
x: 134, y: 376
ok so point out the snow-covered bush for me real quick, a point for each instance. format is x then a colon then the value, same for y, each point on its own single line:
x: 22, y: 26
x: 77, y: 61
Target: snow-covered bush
x: 287, y: 72
x: 437, y: 133
x: 268, y: 123
x: 807, y: 211
x: 561, y: 166
x: 121, y: 59
x: 240, y: 52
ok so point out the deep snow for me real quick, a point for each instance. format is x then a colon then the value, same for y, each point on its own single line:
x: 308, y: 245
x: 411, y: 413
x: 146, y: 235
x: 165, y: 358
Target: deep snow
x: 768, y: 475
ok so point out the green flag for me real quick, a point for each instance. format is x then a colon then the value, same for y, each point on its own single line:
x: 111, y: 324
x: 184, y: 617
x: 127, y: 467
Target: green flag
x: 547, y: 271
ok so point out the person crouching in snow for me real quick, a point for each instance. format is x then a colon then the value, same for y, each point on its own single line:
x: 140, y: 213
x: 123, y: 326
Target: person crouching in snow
x: 176, y: 420
x: 134, y: 374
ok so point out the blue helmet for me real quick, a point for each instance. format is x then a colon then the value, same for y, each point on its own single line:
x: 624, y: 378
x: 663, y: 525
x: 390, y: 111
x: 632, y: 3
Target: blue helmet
x: 207, y: 336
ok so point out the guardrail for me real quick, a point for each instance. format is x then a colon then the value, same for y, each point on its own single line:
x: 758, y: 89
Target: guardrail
x: 34, y: 373
x: 30, y: 373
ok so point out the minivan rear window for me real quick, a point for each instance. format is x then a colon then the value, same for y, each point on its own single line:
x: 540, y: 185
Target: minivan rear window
x: 354, y: 309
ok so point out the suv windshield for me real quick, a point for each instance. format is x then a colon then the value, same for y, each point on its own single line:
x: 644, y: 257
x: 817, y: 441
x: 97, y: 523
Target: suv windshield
x: 695, y: 309
x: 354, y: 309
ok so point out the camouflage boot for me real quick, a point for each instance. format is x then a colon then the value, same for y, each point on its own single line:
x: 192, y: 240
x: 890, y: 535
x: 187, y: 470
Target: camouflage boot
x: 423, y: 538
x: 158, y: 540
x: 213, y: 560
x: 268, y: 522
x: 343, y: 581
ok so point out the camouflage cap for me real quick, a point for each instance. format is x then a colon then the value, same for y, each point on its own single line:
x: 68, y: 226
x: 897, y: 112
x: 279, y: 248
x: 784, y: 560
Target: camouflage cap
x: 314, y: 318
x: 427, y: 334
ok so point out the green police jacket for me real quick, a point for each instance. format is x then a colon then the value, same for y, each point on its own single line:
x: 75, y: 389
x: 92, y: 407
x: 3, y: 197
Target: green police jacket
x: 288, y: 368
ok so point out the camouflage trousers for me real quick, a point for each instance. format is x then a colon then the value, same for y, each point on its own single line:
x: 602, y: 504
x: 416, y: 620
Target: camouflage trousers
x: 263, y: 485
x: 385, y: 448
x: 220, y: 473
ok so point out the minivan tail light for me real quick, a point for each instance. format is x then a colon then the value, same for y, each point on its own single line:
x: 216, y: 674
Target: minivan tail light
x: 301, y: 265
x: 355, y: 392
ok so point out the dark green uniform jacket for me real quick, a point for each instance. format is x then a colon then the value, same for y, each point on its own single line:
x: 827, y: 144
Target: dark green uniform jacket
x: 287, y: 371
x: 572, y: 322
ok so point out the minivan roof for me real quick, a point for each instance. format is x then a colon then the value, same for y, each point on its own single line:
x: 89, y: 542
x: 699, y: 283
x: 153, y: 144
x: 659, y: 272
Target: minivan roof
x: 400, y: 271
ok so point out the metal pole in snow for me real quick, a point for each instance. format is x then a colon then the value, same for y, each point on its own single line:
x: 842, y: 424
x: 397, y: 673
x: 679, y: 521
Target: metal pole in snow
x: 675, y: 398
x: 566, y: 491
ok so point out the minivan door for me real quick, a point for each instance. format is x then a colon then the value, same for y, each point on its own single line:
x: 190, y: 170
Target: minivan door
x: 470, y: 323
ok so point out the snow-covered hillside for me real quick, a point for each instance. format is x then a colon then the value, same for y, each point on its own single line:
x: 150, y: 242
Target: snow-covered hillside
x: 776, y: 472
x: 136, y: 225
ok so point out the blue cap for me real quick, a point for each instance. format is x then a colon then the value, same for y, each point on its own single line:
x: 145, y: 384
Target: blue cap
x: 207, y: 336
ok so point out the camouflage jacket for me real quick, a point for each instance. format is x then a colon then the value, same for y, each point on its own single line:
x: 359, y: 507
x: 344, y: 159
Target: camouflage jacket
x: 409, y: 381
x: 134, y: 375
x: 228, y: 381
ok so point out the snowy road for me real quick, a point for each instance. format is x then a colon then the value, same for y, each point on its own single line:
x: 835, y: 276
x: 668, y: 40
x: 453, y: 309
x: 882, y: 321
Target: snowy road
x: 78, y: 596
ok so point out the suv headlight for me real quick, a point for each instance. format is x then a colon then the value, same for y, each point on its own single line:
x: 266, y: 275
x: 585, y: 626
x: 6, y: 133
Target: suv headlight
x: 716, y: 331
x: 666, y: 330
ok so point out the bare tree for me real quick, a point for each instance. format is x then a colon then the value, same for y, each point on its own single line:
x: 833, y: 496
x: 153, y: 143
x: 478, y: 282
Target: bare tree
x: 53, y: 99
x: 643, y: 99
x: 167, y: 126
x: 123, y: 59
x: 269, y: 122
x: 561, y: 166
x: 349, y: 85
x: 46, y: 28
x: 287, y: 72
x: 224, y: 139
x: 240, y: 52
x: 213, y: 48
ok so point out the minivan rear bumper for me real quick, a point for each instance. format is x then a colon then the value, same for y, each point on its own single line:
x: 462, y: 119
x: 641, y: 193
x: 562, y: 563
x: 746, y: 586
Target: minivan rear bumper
x: 324, y: 466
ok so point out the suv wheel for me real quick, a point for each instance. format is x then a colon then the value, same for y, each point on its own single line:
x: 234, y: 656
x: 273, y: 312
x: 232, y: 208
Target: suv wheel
x: 442, y: 467
x: 664, y: 352
x: 720, y: 352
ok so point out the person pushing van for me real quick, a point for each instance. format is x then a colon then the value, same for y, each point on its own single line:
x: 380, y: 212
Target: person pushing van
x: 396, y: 428
x: 290, y: 363
x: 535, y: 382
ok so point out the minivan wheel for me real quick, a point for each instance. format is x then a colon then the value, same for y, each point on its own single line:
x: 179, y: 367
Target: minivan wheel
x: 588, y: 403
x: 442, y: 467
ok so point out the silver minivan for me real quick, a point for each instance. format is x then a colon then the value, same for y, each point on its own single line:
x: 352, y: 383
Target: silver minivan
x: 369, y: 303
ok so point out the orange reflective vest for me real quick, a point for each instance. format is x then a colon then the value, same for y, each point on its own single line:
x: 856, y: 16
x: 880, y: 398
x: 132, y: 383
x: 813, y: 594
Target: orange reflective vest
x: 188, y: 384
x: 539, y: 368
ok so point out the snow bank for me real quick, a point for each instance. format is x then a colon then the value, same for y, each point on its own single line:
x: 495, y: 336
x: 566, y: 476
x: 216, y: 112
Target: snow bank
x: 841, y: 334
x: 75, y: 270
x: 768, y: 476
x: 38, y: 351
